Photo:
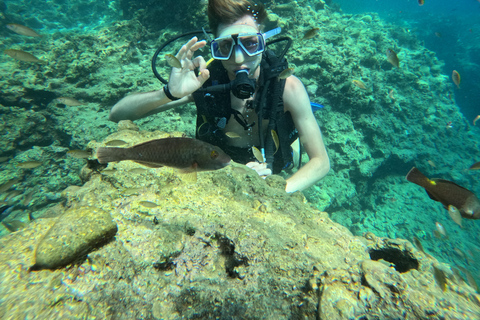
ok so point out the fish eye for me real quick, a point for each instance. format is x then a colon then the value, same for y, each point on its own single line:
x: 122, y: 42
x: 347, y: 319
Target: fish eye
x: 213, y: 154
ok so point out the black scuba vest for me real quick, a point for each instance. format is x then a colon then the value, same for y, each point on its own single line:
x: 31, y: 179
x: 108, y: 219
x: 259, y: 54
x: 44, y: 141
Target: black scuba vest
x: 214, y: 111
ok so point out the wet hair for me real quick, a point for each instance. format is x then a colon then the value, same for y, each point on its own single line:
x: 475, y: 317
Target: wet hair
x: 229, y: 11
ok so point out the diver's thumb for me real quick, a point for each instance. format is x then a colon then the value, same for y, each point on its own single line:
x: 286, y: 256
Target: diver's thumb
x: 204, y: 75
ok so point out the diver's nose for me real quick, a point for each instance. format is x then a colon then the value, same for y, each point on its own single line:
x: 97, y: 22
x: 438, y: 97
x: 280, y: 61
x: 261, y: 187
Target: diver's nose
x: 239, y: 57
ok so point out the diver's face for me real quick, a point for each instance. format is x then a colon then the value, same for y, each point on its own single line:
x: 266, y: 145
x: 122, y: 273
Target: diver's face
x: 239, y: 59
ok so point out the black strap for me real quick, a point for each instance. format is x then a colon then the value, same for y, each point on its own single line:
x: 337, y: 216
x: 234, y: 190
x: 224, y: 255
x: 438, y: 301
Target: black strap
x: 168, y: 94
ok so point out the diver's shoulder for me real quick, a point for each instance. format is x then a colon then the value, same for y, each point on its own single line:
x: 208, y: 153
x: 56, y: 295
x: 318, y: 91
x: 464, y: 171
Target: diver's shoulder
x: 292, y: 83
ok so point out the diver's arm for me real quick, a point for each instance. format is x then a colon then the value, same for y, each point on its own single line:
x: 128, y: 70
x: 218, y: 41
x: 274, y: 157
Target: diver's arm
x: 140, y: 105
x: 296, y: 101
x: 182, y: 83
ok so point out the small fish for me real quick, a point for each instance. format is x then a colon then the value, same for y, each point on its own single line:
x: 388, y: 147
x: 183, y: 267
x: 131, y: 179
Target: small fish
x: 286, y: 73
x: 457, y: 275
x: 108, y: 172
x: 438, y: 34
x: 71, y: 102
x: 390, y: 94
x: 470, y: 279
x: 456, y: 78
x: 232, y: 135
x: 418, y: 244
x: 115, y: 143
x: 455, y: 215
x: 79, y: 154
x: 148, y: 204
x: 137, y: 170
x: 310, y: 33
x: 22, y: 30
x: 421, y: 2
x: 257, y: 154
x: 475, y: 166
x: 186, y: 154
x: 360, y: 84
x: 22, y: 55
x: 7, y: 185
x: 14, y: 225
x: 440, y: 278
x: 449, y: 125
x: 29, y: 164
x: 431, y: 163
x: 27, y: 198
x: 476, y: 119
x: 173, y: 61
x: 459, y: 252
x: 275, y: 140
x: 12, y: 194
x: 448, y: 193
x: 393, y: 58
x: 441, y: 229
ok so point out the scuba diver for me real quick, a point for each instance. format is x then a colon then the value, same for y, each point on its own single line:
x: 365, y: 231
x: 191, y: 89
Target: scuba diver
x: 244, y: 101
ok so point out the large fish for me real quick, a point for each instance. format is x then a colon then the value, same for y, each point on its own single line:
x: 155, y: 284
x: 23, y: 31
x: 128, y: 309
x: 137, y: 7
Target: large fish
x: 448, y: 194
x: 189, y: 155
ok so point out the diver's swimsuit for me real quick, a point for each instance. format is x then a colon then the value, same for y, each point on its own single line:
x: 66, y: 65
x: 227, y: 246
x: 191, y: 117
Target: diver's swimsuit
x: 214, y: 110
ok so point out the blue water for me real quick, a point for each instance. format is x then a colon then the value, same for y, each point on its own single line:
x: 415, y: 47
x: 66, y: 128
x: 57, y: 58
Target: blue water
x: 457, y: 42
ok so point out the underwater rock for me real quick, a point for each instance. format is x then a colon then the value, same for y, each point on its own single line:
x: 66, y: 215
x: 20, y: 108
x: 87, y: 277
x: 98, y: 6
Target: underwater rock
x: 74, y: 234
x: 127, y: 125
x: 276, y: 181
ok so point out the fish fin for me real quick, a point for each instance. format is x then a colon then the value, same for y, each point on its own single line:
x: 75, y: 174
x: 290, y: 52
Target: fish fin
x: 189, y: 174
x: 149, y: 164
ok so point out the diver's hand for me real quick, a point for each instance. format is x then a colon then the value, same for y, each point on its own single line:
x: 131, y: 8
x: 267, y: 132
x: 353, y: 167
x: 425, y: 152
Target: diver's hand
x: 261, y: 168
x: 183, y: 81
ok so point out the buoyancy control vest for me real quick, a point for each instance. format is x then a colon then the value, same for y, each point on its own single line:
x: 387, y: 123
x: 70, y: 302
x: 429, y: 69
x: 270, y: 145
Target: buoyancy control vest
x: 214, y: 111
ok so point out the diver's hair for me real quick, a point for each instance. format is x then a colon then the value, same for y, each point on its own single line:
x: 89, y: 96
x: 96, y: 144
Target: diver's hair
x: 229, y: 11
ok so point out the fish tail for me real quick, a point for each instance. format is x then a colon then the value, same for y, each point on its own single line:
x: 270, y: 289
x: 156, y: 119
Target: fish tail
x: 415, y: 176
x: 105, y: 155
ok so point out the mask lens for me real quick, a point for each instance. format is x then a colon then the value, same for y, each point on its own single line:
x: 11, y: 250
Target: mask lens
x: 222, y: 48
x: 252, y: 44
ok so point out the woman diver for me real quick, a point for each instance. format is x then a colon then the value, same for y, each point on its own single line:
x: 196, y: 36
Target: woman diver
x: 253, y: 107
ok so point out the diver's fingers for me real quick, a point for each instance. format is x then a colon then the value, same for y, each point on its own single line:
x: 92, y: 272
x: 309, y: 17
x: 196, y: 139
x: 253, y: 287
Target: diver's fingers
x: 194, y: 48
x: 182, y: 54
x: 198, y: 45
x: 204, y: 73
x: 199, y: 62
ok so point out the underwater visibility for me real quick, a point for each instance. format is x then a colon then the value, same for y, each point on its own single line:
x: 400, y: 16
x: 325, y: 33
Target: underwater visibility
x: 231, y: 159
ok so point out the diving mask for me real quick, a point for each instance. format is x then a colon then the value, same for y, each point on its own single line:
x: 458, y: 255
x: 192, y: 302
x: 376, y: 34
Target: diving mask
x: 251, y: 44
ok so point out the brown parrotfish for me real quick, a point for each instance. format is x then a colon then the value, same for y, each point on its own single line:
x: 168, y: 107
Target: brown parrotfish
x: 448, y: 193
x: 186, y: 154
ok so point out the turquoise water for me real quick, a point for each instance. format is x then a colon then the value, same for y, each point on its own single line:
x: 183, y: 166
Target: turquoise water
x: 99, y: 51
